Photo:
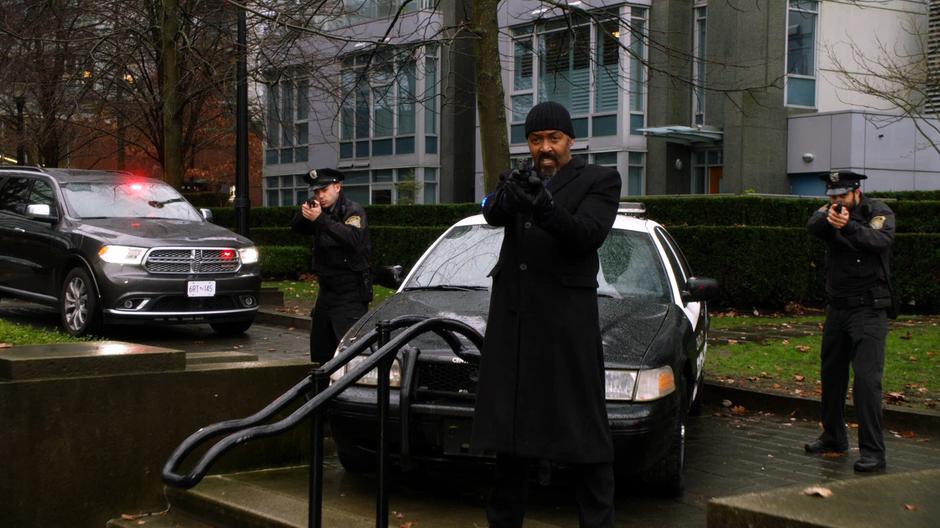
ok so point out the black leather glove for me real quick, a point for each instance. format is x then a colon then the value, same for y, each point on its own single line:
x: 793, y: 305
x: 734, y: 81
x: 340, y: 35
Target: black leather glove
x: 540, y: 200
x: 510, y: 198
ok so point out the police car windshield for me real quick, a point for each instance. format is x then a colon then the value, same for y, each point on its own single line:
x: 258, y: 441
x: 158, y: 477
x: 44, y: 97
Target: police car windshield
x: 629, y: 264
x: 127, y: 199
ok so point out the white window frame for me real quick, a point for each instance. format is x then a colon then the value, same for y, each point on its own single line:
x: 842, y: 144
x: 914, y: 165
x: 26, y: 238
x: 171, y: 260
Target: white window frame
x: 786, y: 59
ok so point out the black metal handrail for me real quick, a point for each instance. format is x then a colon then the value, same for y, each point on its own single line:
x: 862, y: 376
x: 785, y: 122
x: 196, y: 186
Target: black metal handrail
x: 244, y: 429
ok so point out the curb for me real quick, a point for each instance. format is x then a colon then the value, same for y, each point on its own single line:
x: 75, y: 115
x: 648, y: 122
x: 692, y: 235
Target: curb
x: 896, y: 418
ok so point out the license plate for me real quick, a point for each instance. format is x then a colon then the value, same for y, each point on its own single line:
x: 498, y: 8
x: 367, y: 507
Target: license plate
x: 200, y: 289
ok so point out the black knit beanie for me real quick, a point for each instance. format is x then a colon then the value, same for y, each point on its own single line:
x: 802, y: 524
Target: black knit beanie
x: 548, y: 115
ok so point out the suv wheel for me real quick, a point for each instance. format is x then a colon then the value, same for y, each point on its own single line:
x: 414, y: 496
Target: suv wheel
x: 78, y: 304
x: 230, y: 329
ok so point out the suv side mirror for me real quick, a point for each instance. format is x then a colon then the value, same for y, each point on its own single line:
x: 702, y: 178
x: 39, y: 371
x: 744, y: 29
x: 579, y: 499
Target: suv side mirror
x: 700, y: 289
x: 390, y: 276
x: 42, y: 212
x: 206, y: 214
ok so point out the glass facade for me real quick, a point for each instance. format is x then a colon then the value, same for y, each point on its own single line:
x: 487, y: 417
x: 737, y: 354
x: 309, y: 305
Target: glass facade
x: 578, y: 61
x: 287, y: 132
x: 801, y: 53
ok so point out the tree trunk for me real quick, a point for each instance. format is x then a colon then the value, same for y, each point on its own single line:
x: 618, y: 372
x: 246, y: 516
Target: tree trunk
x: 491, y: 105
x: 172, y: 115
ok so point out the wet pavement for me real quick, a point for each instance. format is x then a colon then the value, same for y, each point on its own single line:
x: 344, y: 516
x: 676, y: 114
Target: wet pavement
x: 265, y: 341
x: 727, y: 455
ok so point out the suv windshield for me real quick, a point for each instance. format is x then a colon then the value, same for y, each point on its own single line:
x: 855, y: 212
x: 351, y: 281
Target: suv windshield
x: 629, y: 263
x: 127, y: 199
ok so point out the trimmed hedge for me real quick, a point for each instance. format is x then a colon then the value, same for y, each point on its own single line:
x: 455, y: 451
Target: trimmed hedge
x: 721, y: 210
x: 906, y: 195
x: 284, y: 261
x: 752, y: 269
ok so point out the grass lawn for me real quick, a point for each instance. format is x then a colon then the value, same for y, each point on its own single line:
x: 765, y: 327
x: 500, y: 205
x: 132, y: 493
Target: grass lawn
x: 300, y: 295
x: 912, y: 365
x: 21, y: 334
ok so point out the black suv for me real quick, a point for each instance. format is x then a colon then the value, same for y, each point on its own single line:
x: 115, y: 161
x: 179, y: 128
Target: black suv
x: 110, y: 247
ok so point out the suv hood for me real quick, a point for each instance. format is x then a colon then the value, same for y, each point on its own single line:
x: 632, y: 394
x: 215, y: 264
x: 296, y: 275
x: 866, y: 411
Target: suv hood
x: 152, y: 232
x: 628, y: 326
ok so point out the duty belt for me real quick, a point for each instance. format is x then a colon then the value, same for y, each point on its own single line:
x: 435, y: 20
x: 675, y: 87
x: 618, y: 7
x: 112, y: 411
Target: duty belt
x: 852, y: 301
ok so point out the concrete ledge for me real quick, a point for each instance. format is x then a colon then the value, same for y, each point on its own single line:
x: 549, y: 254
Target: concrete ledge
x: 93, y: 358
x: 896, y: 418
x: 902, y: 500
x: 201, y: 358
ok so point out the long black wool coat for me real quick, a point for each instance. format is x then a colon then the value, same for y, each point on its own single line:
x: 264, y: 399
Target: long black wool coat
x: 541, y: 387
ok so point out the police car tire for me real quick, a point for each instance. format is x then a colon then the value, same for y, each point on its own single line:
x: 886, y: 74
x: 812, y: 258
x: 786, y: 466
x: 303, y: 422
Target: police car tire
x: 231, y: 329
x: 666, y: 475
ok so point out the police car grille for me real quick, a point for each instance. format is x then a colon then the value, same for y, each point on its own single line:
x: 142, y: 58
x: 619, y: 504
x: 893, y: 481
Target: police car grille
x: 190, y: 261
x: 433, y: 377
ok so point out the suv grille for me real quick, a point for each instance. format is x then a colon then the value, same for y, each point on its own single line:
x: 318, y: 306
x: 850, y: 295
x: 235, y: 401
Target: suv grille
x: 202, y: 260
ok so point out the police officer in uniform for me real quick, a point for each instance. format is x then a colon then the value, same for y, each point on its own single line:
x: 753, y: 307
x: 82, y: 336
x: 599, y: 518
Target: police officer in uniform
x: 858, y: 232
x: 341, y: 250
x: 541, y: 394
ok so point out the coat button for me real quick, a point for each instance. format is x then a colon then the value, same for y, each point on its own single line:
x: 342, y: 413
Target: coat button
x: 527, y: 225
x: 523, y: 267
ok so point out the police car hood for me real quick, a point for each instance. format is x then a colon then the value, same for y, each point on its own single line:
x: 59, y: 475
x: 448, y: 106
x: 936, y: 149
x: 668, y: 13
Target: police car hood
x: 628, y: 326
x: 153, y: 232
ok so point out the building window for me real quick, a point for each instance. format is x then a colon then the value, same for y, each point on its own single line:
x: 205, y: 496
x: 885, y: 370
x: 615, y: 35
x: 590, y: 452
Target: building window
x: 638, y: 56
x: 285, y: 190
x: 801, y: 53
x: 699, y: 41
x: 359, y: 11
x: 391, y: 186
x: 636, y: 170
x: 431, y: 90
x: 706, y: 171
x: 379, y: 112
x: 287, y: 121
x: 576, y: 61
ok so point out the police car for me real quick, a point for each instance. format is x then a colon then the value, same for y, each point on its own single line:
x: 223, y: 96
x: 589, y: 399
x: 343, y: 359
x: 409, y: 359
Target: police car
x: 654, y: 324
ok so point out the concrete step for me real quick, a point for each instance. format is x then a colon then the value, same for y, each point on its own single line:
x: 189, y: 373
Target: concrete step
x: 275, y: 498
x: 202, y: 358
x: 170, y: 519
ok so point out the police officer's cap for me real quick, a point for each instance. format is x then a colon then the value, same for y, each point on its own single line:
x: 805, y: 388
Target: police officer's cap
x: 841, y: 181
x: 320, y: 178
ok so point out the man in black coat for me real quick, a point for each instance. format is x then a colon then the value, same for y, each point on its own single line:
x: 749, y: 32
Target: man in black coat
x: 541, y: 393
x: 858, y: 233
x: 341, y: 249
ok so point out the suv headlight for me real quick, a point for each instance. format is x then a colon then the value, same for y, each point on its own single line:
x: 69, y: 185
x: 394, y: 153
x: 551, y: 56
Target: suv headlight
x: 248, y: 255
x: 639, y: 385
x: 122, y: 254
x: 371, y: 378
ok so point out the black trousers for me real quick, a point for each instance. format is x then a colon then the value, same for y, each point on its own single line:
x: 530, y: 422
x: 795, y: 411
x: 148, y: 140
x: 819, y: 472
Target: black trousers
x: 854, y: 336
x: 334, y: 313
x: 594, y: 493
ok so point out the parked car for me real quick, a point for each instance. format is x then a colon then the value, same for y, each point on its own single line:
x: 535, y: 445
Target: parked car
x: 109, y: 247
x: 654, y: 324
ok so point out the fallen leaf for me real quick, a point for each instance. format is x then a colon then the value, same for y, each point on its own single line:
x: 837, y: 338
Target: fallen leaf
x: 732, y: 341
x: 907, y: 335
x: 803, y: 348
x: 833, y: 454
x: 6, y: 345
x: 895, y: 397
x: 910, y: 507
x: 818, y: 491
x: 738, y: 409
x: 799, y: 378
x: 907, y: 434
x: 777, y: 386
x: 756, y: 313
x: 726, y: 403
x: 752, y: 378
x: 786, y: 341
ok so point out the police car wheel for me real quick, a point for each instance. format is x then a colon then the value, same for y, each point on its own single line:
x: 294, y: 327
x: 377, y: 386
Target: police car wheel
x: 666, y: 475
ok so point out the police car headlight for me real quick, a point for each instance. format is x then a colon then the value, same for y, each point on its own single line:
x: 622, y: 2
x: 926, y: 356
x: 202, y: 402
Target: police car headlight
x: 639, y: 385
x: 619, y: 384
x: 248, y: 255
x: 371, y: 379
x: 655, y: 383
x: 121, y: 254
